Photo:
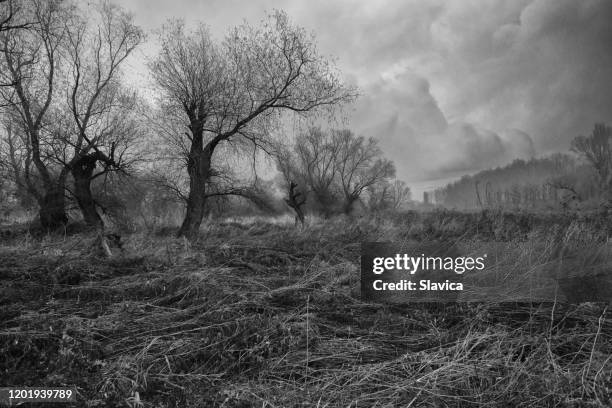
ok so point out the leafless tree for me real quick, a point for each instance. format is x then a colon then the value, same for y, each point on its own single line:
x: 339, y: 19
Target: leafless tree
x: 236, y: 91
x: 96, y: 46
x: 388, y: 195
x: 227, y: 180
x: 597, y: 149
x: 73, y: 53
x: 315, y: 161
x: 334, y: 166
x: 359, y: 165
x: 30, y: 59
x: 400, y: 194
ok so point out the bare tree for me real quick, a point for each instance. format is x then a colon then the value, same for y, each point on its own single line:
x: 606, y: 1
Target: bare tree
x: 315, y: 161
x: 97, y: 45
x: 72, y: 51
x: 597, y: 149
x: 400, y: 194
x: 226, y: 182
x: 334, y: 166
x: 296, y: 201
x: 387, y: 195
x: 235, y: 92
x: 29, y: 66
x: 111, y: 153
x: 359, y: 164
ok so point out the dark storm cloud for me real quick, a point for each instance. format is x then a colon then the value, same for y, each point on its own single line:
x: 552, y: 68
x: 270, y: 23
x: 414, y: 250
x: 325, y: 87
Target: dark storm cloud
x: 418, y: 137
x: 451, y: 86
x: 546, y: 73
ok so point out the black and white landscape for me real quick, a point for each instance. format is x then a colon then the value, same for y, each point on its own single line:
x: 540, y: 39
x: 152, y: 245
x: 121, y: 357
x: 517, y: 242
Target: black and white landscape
x: 306, y: 203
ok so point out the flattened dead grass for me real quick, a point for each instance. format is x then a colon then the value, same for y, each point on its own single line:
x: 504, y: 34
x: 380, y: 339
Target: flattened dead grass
x: 269, y: 316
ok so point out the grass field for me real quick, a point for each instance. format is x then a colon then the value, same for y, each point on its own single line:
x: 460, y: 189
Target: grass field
x: 259, y: 314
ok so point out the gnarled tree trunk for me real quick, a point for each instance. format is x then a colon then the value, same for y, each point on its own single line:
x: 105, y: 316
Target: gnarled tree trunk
x: 52, y: 212
x: 198, y: 167
x: 82, y: 172
x: 295, y: 202
x: 52, y: 202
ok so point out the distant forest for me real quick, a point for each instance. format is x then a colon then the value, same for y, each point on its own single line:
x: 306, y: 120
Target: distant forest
x: 561, y: 180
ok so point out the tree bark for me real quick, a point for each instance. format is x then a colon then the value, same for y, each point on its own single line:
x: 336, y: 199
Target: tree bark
x: 198, y: 167
x: 82, y: 172
x: 52, y: 203
x: 52, y: 211
x: 348, y: 204
x: 296, y: 203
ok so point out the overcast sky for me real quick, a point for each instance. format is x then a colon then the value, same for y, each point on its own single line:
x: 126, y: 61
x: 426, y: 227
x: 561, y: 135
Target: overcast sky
x: 448, y: 87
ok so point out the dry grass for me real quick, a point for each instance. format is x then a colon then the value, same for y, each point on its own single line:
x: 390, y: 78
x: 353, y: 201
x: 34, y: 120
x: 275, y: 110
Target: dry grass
x: 264, y: 315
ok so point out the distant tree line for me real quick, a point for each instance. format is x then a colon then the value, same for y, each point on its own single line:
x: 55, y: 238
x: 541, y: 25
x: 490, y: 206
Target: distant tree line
x: 561, y: 180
